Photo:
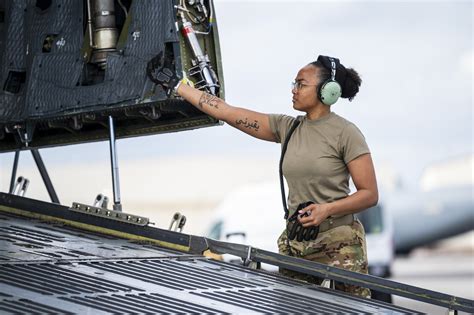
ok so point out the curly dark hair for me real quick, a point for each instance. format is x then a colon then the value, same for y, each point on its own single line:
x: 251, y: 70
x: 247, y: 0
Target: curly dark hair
x: 349, y: 79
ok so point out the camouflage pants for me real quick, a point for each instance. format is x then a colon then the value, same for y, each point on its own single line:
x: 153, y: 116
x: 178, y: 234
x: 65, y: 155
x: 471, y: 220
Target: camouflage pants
x: 342, y: 247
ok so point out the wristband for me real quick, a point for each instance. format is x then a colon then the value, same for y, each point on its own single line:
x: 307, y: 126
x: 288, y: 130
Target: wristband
x: 184, y: 80
x: 175, y: 89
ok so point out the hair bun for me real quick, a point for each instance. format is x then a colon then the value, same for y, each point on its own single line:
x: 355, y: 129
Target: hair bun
x: 351, y: 84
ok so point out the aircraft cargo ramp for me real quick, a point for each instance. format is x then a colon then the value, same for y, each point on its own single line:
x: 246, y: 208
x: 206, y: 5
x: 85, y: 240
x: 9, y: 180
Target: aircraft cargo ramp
x: 57, y: 260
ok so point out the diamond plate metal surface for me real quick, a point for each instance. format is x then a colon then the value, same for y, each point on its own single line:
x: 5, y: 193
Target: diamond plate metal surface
x: 12, y: 57
x: 52, y: 268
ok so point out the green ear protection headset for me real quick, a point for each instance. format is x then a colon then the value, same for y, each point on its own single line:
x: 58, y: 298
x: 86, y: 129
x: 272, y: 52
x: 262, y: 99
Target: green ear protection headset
x: 330, y: 90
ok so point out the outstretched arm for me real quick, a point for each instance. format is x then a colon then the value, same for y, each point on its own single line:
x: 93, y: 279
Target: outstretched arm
x: 252, y: 123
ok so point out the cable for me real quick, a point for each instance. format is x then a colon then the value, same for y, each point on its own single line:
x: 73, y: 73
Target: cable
x: 123, y: 8
x: 193, y: 17
x: 210, y: 21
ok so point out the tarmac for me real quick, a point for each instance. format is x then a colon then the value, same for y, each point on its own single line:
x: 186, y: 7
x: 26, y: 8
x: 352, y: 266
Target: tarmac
x: 446, y: 267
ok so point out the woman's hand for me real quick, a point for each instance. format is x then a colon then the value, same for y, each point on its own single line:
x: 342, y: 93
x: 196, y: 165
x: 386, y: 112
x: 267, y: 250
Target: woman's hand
x: 317, y: 213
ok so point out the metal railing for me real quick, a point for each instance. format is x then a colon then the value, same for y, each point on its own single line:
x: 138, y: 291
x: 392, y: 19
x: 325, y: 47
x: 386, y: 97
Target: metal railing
x: 248, y: 253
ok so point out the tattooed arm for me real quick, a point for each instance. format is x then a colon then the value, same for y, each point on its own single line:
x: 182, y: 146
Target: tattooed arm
x: 253, y: 123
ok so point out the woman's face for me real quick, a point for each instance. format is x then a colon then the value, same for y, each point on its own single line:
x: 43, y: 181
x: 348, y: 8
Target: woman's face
x: 305, y: 94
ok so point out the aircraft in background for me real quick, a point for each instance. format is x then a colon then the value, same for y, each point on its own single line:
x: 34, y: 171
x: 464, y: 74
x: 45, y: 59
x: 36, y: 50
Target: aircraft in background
x: 442, y: 207
x: 402, y: 220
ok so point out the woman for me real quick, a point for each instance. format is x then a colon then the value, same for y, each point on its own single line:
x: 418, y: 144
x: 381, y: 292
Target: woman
x: 323, y: 151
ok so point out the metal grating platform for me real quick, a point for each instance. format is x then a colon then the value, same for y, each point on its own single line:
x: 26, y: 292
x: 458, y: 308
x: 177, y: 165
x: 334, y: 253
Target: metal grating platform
x: 56, y: 269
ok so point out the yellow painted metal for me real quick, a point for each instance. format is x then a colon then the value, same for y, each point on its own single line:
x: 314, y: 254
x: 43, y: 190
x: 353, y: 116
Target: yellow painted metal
x: 94, y: 228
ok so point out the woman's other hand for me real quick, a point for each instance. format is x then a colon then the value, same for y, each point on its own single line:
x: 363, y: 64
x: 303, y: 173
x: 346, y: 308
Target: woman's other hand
x: 317, y: 213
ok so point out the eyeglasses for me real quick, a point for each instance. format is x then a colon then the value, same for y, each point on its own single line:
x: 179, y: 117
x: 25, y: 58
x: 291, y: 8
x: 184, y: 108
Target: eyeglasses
x: 298, y: 85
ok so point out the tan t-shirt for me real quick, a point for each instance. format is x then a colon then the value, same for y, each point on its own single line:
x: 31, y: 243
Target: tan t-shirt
x: 315, y: 163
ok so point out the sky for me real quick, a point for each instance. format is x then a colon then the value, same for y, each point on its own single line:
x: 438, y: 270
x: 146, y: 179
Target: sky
x: 415, y: 105
x: 415, y: 59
